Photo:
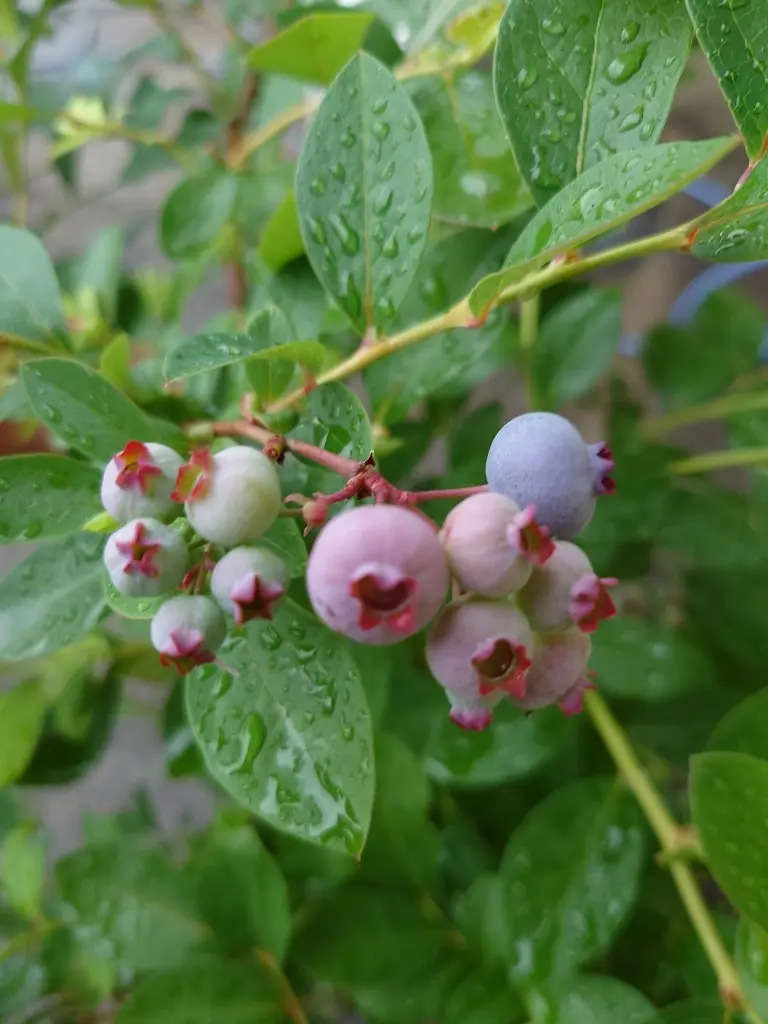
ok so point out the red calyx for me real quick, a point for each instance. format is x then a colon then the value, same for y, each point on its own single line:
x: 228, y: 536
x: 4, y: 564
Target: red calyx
x: 531, y: 540
x: 590, y: 602
x: 386, y: 598
x: 194, y: 477
x: 501, y: 665
x: 573, y: 701
x: 253, y: 598
x: 471, y: 719
x: 136, y: 469
x: 139, y: 554
x: 184, y: 650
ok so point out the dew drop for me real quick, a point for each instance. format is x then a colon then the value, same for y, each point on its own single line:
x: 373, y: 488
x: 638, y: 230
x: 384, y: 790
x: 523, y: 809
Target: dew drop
x: 383, y: 202
x: 527, y: 78
x: 317, y: 187
x: 270, y: 639
x: 632, y: 119
x: 388, y: 171
x: 630, y: 31
x: 622, y: 68
x: 381, y: 130
x: 386, y: 307
x: 553, y: 28
x: 316, y: 231
x: 350, y: 240
x: 391, y: 248
x: 338, y: 171
x: 348, y: 139
x: 379, y: 106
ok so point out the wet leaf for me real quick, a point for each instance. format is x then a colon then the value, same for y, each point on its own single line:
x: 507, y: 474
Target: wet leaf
x: 22, y: 871
x: 315, y: 48
x: 729, y: 804
x: 281, y: 240
x: 648, y: 661
x: 195, y: 212
x: 30, y: 303
x: 22, y: 711
x: 52, y: 598
x: 736, y: 229
x: 334, y: 419
x: 751, y: 957
x: 364, y: 193
x: 576, y: 344
x: 693, y: 1011
x: 285, y: 539
x: 598, y: 1000
x: 476, y: 181
x: 285, y: 730
x: 44, y: 496
x: 616, y: 190
x: 269, y: 336
x: 578, y: 84
x: 732, y: 35
x: 514, y: 747
x: 131, y: 607
x: 84, y: 409
x: 744, y: 730
x: 563, y: 902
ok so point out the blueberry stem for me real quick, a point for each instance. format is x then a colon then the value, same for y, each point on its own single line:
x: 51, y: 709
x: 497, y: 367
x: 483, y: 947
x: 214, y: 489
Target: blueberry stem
x: 727, y: 459
x: 669, y: 834
x: 717, y: 409
x: 530, y: 310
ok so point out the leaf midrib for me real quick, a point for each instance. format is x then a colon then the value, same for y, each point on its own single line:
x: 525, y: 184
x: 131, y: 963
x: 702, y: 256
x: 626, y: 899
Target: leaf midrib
x: 585, y: 108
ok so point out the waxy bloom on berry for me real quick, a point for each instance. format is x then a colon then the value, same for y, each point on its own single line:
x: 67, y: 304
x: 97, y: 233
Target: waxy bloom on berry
x: 230, y: 497
x: 480, y: 652
x: 248, y: 582
x: 566, y: 592
x: 558, y: 665
x: 145, y: 558
x: 187, y: 631
x: 540, y: 459
x: 377, y: 573
x: 139, y: 481
x: 492, y: 546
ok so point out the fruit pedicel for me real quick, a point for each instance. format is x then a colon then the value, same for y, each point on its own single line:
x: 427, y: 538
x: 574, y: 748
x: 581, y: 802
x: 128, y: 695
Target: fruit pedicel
x: 507, y: 599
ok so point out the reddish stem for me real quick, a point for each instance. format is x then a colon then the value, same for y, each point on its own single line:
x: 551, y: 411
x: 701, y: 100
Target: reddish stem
x: 416, y: 497
x: 337, y: 463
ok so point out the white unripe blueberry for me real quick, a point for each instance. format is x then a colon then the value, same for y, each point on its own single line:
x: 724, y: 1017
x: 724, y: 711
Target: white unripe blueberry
x: 565, y: 591
x: 540, y: 459
x: 139, y: 481
x: 231, y: 497
x: 187, y: 631
x: 145, y: 558
x: 248, y: 582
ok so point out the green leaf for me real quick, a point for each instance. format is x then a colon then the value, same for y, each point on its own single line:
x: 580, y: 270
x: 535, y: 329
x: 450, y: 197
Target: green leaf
x: 516, y: 746
x: 30, y: 303
x: 203, y: 991
x: 22, y: 871
x: 45, y: 496
x: 52, y: 598
x: 285, y: 730
x: 729, y: 804
x: 690, y: 364
x: 712, y: 526
x: 403, y: 845
x: 736, y: 229
x: 284, y: 538
x: 241, y: 893
x: 575, y: 85
x: 648, y: 661
x: 131, y: 607
x: 619, y: 188
x: 315, y: 48
x: 700, y: 1010
x: 751, y: 957
x: 269, y: 336
x: 476, y: 181
x: 576, y: 344
x: 281, y: 240
x: 400, y: 942
x: 593, y: 999
x: 99, y: 269
x: 132, y: 902
x: 83, y: 408
x: 733, y: 38
x: 453, y: 361
x: 563, y: 902
x: 364, y: 193
x: 744, y: 730
x: 195, y: 212
x: 22, y: 711
x: 333, y: 418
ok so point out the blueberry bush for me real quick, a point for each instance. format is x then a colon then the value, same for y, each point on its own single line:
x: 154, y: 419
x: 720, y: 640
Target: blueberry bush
x: 436, y: 575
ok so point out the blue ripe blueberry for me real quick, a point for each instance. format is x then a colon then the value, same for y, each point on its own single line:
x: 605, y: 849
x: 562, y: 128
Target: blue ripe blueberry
x: 187, y: 631
x: 540, y: 459
x: 145, y: 558
x: 248, y: 582
x: 479, y: 652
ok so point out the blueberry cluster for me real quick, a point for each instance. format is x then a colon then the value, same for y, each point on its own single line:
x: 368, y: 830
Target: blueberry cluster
x: 524, y: 597
x: 229, y: 499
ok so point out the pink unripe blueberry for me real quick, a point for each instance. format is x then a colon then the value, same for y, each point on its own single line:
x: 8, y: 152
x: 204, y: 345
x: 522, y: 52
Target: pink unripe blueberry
x: 231, y: 497
x: 559, y: 660
x: 540, y: 459
x: 566, y: 592
x: 491, y: 545
x: 248, y: 582
x: 377, y: 573
x: 139, y: 481
x: 145, y: 558
x: 187, y: 631
x: 479, y: 651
